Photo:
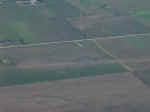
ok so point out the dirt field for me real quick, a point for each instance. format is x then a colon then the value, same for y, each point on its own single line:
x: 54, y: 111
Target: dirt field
x: 108, y: 93
x: 73, y: 52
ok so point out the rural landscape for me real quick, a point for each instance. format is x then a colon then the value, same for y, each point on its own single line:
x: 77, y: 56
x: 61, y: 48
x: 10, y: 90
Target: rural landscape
x: 74, y: 56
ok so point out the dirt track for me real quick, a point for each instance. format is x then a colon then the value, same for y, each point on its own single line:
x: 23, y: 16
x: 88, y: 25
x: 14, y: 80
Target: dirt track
x: 60, y: 42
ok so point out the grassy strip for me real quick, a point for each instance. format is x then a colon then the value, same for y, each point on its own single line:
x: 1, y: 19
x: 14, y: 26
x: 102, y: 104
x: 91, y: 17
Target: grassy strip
x: 22, y: 76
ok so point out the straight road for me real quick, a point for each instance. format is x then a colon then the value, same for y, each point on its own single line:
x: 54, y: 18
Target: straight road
x: 71, y: 41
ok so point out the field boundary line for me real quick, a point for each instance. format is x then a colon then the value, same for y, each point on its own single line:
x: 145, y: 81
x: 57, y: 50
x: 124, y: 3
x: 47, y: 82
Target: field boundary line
x: 69, y: 41
x: 113, y: 56
x: 65, y: 64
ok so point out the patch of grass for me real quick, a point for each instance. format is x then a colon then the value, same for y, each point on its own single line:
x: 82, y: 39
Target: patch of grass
x: 23, y: 32
x: 24, y: 76
x: 89, y: 2
x: 145, y: 14
x: 141, y: 44
x: 35, y: 24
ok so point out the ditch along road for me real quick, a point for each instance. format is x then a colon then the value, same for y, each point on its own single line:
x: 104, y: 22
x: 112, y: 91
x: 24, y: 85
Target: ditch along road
x: 71, y: 41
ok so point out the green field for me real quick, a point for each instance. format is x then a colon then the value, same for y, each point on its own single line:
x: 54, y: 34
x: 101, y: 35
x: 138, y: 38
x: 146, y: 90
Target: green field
x: 14, y: 76
x: 141, y: 44
x: 45, y: 23
x: 49, y: 21
x: 142, y: 16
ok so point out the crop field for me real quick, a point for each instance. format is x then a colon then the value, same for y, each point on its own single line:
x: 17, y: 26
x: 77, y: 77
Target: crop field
x: 75, y: 56
x: 72, y: 52
x: 69, y: 20
x: 108, y: 17
x: 80, y: 58
x: 105, y: 93
x: 24, y: 24
x: 100, y: 25
x: 34, y: 75
x: 128, y: 47
x: 87, y: 57
x: 119, y: 7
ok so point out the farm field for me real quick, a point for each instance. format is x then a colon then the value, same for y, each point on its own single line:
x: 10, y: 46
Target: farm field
x: 65, y: 20
x: 56, y: 53
x: 81, y: 95
x: 100, y: 25
x: 15, y: 75
x: 78, y: 59
x: 29, y: 65
x: 74, y: 56
x: 128, y: 47
x: 118, y: 7
x: 24, y: 24
x: 109, y: 17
